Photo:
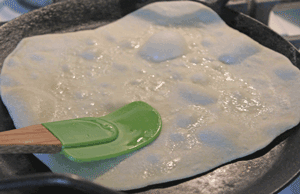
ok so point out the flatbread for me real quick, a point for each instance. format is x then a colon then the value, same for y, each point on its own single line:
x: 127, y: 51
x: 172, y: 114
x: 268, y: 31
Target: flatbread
x: 221, y: 95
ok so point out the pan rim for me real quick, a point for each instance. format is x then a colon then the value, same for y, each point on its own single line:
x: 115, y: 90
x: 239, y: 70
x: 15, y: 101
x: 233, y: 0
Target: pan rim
x: 11, y: 23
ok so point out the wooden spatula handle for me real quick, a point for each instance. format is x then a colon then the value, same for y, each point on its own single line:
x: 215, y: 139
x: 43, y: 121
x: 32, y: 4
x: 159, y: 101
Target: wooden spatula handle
x: 31, y: 139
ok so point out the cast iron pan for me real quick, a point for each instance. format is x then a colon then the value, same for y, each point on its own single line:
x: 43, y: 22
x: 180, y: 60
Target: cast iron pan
x: 266, y: 171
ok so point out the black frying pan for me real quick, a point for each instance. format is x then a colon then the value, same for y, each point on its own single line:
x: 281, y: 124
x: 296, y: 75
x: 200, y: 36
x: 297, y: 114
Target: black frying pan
x: 266, y: 171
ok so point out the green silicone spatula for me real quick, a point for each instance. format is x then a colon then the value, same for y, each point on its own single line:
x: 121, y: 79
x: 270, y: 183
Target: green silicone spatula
x: 88, y: 139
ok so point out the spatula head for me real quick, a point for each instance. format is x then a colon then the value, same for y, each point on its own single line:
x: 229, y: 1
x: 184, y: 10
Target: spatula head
x: 123, y: 131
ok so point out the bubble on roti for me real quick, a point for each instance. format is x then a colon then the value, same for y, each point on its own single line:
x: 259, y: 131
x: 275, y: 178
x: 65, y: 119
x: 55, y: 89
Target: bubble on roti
x: 221, y: 95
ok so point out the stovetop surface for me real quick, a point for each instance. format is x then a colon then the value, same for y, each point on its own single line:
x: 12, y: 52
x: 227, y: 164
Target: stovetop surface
x: 281, y: 16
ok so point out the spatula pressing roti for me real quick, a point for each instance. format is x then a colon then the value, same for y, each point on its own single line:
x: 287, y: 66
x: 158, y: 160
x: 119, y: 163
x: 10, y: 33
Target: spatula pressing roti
x: 88, y: 139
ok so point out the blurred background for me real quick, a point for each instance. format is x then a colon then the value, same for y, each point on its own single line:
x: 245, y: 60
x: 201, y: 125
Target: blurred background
x: 283, y: 16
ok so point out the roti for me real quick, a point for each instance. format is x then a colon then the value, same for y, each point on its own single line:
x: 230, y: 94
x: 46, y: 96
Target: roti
x: 220, y: 94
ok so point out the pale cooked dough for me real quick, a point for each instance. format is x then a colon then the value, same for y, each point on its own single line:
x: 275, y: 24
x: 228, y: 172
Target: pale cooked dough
x: 221, y: 95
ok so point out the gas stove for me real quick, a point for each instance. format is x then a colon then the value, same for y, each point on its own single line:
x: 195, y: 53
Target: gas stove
x: 283, y: 16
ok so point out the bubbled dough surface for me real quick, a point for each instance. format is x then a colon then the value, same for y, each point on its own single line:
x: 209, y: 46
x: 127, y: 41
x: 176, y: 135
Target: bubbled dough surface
x: 220, y: 94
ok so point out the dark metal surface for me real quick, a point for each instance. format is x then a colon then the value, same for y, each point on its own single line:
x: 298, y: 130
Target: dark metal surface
x: 265, y: 171
x: 47, y: 182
